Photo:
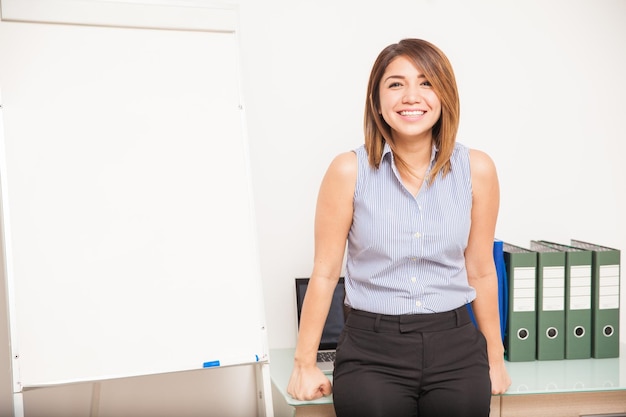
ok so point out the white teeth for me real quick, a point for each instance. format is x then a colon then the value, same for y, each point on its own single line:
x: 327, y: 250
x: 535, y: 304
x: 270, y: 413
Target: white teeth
x: 411, y: 113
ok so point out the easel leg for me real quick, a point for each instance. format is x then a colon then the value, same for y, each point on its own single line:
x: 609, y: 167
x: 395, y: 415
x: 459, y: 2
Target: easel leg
x: 18, y: 404
x: 265, y: 405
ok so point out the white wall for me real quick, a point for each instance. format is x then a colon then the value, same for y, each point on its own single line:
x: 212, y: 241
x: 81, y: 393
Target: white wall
x: 542, y: 91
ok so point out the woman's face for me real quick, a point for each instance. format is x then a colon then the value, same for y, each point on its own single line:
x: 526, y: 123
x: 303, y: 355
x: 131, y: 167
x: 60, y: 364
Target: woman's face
x: 407, y: 101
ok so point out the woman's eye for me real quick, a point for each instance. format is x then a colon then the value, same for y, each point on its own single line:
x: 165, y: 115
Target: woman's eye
x: 427, y: 84
x: 394, y: 84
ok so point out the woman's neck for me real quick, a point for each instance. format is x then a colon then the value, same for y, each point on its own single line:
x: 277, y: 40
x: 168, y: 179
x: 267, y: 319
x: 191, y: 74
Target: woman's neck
x: 415, y: 154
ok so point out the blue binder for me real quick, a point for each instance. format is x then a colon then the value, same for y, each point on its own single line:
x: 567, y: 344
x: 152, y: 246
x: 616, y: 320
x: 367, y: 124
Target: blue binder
x: 503, y: 291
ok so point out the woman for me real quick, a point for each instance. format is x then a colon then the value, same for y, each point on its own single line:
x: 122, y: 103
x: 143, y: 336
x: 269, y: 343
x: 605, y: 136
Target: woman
x: 418, y: 211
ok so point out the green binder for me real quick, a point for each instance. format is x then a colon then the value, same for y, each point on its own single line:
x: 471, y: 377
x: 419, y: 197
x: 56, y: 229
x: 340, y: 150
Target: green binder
x: 550, y: 302
x: 605, y: 289
x: 578, y: 330
x: 520, y: 341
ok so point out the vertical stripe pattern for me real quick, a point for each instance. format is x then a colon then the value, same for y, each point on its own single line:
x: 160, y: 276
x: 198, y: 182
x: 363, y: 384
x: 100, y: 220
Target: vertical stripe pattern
x: 405, y: 252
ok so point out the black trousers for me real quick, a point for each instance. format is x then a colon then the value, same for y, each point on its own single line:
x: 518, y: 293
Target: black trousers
x: 426, y: 365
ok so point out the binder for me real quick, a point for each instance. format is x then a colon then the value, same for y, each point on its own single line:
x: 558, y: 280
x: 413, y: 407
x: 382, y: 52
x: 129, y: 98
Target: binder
x: 605, y: 307
x: 578, y: 329
x: 498, y: 259
x: 503, y: 294
x: 550, y: 302
x: 521, y: 327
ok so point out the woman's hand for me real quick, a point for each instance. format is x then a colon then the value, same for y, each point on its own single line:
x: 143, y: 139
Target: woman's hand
x: 500, y: 379
x: 308, y: 383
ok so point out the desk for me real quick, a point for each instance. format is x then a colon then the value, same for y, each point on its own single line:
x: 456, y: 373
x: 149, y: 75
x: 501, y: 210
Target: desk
x: 567, y: 388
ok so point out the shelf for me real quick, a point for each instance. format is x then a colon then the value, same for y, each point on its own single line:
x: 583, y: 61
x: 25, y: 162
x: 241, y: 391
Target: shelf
x: 536, y: 377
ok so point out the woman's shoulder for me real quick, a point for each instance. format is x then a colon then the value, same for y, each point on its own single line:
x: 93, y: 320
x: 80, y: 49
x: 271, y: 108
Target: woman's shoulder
x: 344, y: 165
x: 478, y: 159
x: 483, y: 169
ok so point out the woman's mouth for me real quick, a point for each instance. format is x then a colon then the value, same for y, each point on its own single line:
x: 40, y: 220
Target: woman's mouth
x: 412, y: 113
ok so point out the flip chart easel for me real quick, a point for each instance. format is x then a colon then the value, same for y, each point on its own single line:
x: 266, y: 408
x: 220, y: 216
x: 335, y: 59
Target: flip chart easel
x: 127, y: 213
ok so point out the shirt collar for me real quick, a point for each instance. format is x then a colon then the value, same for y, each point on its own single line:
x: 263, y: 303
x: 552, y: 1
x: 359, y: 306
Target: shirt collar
x: 386, y: 150
x: 433, y: 152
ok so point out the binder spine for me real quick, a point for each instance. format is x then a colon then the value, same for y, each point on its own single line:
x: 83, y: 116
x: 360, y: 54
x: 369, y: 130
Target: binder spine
x: 606, y: 270
x: 606, y: 312
x: 521, y: 331
x: 551, y: 302
x: 578, y: 328
x: 578, y: 311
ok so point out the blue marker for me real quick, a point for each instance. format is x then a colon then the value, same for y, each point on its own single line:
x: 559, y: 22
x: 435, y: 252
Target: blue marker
x: 231, y: 361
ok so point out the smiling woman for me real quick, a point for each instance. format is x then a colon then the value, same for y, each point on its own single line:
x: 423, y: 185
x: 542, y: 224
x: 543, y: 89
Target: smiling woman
x: 418, y: 212
x: 426, y: 67
x: 410, y: 106
x: 408, y: 103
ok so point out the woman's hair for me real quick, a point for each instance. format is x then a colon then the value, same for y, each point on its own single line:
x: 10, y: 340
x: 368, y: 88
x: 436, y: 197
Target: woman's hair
x: 438, y: 71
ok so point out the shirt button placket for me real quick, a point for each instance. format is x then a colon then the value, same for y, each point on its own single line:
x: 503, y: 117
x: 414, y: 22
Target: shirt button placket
x: 416, y: 245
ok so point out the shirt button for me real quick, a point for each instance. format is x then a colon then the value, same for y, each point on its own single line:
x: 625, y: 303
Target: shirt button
x: 413, y: 279
x: 417, y: 234
x: 418, y: 303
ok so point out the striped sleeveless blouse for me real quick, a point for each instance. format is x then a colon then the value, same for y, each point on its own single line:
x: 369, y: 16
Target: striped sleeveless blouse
x: 406, y: 253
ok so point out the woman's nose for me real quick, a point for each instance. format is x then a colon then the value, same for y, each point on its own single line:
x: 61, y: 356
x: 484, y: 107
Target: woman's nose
x: 412, y: 95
